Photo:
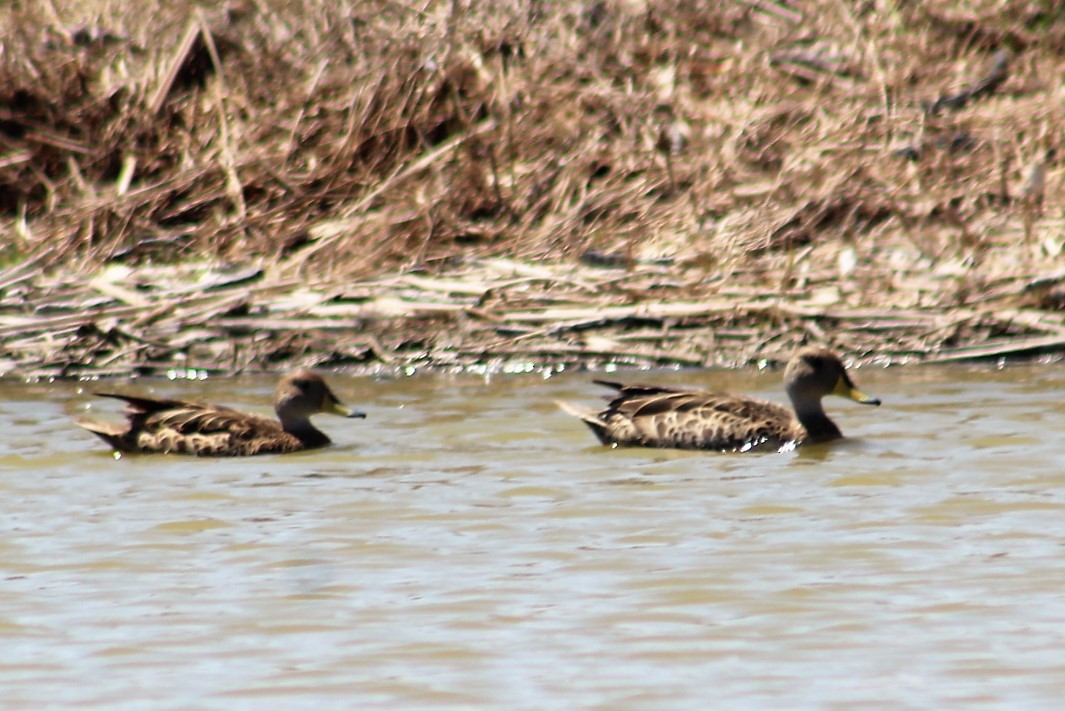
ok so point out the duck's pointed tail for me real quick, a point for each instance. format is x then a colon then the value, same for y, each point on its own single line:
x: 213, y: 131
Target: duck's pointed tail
x: 114, y: 435
x: 590, y: 417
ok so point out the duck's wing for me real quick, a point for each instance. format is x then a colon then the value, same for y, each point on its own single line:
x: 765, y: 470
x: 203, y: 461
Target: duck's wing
x: 192, y: 417
x: 656, y: 416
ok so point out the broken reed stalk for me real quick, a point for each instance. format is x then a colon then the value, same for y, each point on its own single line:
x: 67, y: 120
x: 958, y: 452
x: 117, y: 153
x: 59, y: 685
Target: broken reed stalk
x: 492, y: 311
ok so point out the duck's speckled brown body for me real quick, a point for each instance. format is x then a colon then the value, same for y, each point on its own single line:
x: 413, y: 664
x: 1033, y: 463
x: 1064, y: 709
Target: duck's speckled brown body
x: 653, y: 416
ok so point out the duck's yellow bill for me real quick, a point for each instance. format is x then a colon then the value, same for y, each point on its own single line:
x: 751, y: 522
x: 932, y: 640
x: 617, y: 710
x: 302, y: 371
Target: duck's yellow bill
x: 845, y: 388
x: 338, y: 408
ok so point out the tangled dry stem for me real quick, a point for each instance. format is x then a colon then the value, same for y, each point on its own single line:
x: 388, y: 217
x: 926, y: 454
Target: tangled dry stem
x: 689, y: 183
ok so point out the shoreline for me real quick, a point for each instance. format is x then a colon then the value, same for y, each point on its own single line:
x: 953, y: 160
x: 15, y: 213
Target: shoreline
x: 489, y: 315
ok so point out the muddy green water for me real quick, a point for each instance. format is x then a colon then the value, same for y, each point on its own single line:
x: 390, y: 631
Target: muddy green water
x: 469, y: 546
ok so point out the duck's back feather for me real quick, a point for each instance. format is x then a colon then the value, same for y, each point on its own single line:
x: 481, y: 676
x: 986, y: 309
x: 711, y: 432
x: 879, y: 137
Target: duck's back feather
x: 658, y: 416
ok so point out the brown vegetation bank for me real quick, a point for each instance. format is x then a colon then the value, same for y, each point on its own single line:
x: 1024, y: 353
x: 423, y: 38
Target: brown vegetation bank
x: 403, y: 184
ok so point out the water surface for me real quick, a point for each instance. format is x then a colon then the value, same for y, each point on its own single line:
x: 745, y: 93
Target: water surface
x: 470, y: 546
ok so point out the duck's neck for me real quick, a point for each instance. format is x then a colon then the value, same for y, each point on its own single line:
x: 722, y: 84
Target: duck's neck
x: 302, y: 429
x: 819, y: 428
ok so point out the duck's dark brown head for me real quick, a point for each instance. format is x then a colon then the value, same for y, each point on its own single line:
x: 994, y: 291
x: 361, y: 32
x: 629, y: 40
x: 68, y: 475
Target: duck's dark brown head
x: 814, y: 372
x: 303, y: 393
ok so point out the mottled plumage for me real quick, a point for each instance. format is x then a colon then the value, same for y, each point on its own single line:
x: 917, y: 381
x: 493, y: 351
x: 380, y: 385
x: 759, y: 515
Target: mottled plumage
x: 653, y: 416
x: 178, y: 427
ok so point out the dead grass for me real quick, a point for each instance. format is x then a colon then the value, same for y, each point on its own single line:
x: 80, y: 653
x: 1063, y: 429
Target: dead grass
x: 865, y: 156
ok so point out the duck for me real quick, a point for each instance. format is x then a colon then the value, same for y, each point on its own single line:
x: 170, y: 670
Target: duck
x: 155, y: 426
x: 678, y: 418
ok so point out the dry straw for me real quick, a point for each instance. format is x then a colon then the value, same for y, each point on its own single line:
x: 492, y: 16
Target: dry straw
x: 458, y: 183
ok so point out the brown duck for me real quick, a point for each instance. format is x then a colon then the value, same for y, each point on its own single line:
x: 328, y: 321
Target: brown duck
x: 653, y: 416
x: 178, y: 427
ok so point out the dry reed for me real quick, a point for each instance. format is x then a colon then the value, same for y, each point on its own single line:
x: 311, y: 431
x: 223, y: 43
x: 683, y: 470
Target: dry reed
x: 864, y: 176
